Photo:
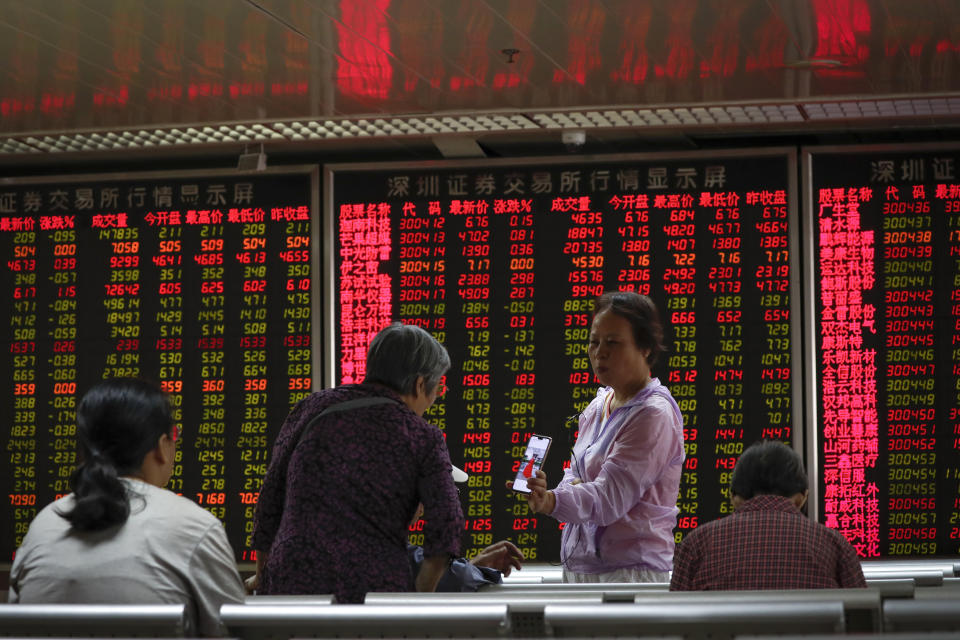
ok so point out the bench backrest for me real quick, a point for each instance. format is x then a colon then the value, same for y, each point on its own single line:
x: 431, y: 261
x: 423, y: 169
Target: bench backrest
x: 934, y: 614
x: 279, y: 622
x: 711, y: 620
x: 92, y: 620
x: 862, y: 607
x: 314, y: 600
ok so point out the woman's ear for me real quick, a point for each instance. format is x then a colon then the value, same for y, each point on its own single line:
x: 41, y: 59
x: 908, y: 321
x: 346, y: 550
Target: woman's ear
x: 800, y: 499
x: 421, y: 386
x: 165, y: 450
x: 157, y: 465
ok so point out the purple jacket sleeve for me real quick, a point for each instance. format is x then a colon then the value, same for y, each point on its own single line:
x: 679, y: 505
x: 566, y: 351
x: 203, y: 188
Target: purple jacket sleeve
x: 644, y: 446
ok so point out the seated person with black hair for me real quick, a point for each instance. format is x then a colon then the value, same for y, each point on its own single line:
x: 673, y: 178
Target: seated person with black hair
x: 120, y: 537
x: 766, y: 543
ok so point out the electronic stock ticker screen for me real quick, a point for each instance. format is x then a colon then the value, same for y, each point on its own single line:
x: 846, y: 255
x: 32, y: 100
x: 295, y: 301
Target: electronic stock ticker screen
x: 886, y: 243
x: 502, y: 262
x: 201, y: 282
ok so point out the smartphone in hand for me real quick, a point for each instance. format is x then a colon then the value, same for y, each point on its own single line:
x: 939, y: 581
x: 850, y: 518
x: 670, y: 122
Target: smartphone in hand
x: 533, y: 458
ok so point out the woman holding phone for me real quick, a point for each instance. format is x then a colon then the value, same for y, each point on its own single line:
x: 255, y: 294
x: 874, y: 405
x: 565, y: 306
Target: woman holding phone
x: 348, y: 470
x: 619, y: 495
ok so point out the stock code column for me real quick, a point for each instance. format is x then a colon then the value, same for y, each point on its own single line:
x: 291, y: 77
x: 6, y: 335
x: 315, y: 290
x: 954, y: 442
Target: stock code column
x: 502, y: 263
x: 202, y: 284
x: 888, y: 305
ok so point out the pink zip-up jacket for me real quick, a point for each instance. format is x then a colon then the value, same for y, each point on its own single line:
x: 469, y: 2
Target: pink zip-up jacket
x: 622, y: 513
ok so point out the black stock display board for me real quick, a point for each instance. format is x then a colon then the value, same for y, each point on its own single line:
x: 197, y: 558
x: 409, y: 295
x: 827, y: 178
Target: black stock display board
x: 202, y: 283
x: 886, y: 253
x: 502, y: 263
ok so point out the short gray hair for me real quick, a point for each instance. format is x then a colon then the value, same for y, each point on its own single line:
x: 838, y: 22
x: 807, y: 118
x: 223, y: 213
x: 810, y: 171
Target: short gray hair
x: 401, y: 353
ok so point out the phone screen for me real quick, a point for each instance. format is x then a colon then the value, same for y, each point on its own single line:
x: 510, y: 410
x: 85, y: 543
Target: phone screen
x: 533, y: 459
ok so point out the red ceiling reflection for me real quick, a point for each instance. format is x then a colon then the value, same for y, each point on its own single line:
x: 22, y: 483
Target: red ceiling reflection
x: 364, y: 67
x: 680, y: 57
x: 168, y: 53
x: 585, y: 22
x: 521, y: 16
x: 116, y: 63
x: 420, y: 31
x: 127, y: 24
x: 843, y: 32
x: 723, y: 39
x: 633, y: 55
x: 473, y: 60
x: 766, y: 45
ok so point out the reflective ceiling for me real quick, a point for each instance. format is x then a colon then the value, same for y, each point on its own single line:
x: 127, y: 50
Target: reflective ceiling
x: 307, y: 70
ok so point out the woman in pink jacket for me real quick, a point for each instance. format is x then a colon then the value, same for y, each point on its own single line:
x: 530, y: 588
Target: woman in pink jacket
x: 619, y: 495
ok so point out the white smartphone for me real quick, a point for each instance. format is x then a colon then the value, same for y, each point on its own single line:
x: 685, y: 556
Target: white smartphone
x: 533, y: 458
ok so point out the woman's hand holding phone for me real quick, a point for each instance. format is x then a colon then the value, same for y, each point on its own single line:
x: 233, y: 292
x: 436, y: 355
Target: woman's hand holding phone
x: 540, y: 499
x: 531, y: 480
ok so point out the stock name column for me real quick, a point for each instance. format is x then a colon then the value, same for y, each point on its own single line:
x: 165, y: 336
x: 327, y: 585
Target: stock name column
x: 887, y: 337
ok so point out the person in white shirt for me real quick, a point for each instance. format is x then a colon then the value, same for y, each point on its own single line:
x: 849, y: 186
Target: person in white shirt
x: 120, y: 537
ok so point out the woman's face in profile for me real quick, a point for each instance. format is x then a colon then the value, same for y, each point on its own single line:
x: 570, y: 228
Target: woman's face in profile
x: 169, y: 443
x: 424, y: 398
x: 614, y: 354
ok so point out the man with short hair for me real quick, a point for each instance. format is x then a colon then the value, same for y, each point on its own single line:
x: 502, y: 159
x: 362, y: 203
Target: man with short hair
x: 767, y: 543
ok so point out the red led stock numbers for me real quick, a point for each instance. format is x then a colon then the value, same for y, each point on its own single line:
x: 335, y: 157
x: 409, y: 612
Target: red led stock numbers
x: 202, y: 284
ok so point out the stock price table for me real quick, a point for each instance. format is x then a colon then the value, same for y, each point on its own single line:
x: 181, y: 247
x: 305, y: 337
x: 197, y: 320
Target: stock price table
x: 202, y: 283
x: 887, y: 256
x: 502, y: 263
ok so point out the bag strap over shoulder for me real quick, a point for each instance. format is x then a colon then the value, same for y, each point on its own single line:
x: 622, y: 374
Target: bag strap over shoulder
x: 346, y: 405
x: 356, y: 403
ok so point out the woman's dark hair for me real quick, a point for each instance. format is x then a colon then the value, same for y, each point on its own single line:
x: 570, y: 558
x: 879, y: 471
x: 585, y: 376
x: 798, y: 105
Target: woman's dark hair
x: 768, y: 467
x: 401, y: 353
x: 641, y: 313
x: 118, y: 422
